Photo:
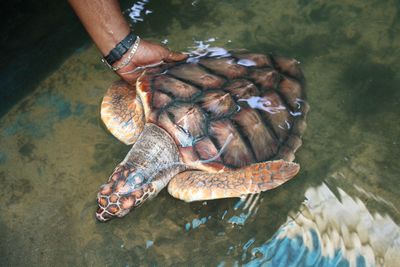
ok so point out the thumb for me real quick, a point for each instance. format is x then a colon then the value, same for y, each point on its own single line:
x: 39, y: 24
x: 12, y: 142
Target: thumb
x: 175, y: 56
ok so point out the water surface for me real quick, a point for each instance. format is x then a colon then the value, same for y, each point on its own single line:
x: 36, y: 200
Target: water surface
x: 343, y: 207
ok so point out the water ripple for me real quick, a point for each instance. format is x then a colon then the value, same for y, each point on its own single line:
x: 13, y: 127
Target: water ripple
x: 331, y: 232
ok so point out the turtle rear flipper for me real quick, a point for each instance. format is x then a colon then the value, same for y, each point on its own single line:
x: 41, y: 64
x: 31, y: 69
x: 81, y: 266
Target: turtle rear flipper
x: 198, y: 185
x: 122, y: 112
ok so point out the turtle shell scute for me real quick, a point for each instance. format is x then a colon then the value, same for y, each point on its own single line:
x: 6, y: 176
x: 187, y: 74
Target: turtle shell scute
x: 229, y: 111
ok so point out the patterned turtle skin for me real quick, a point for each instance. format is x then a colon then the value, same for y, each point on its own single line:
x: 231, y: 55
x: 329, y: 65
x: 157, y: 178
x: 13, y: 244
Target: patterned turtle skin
x: 211, y: 127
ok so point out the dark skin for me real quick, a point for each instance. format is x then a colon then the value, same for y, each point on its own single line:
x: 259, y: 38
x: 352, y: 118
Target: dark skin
x: 106, y: 25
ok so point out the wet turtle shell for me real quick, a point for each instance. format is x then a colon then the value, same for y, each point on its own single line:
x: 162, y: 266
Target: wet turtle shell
x: 209, y: 128
x: 228, y: 111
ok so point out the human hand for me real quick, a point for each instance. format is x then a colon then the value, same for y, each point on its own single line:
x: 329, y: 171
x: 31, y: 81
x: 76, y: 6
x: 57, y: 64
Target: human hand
x: 147, y: 55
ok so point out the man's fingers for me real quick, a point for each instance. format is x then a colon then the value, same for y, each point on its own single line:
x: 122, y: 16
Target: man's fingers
x: 130, y: 76
x: 174, y: 56
x: 149, y: 55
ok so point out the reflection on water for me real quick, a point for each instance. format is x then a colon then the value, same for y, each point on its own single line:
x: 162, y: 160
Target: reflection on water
x: 138, y: 10
x: 54, y: 152
x: 331, y: 230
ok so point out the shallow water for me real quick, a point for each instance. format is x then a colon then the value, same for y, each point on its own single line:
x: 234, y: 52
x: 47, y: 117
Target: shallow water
x: 343, y: 207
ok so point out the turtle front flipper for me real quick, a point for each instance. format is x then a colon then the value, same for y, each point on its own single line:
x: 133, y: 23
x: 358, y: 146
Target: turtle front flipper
x: 122, y: 112
x: 198, y: 185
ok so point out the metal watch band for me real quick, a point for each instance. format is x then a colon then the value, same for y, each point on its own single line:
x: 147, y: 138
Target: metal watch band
x: 120, y: 49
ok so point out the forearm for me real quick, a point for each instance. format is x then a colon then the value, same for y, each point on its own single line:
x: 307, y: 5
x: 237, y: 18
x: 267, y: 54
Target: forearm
x: 103, y: 20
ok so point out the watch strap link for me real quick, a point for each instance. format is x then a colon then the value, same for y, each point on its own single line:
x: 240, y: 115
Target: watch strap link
x: 120, y: 49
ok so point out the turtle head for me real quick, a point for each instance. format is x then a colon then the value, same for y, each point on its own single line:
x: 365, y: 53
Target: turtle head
x: 125, y: 190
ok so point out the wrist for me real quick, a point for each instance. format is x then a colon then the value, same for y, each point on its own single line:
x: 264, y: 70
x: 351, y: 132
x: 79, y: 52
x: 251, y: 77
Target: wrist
x: 128, y: 44
x: 126, y: 58
x: 127, y: 67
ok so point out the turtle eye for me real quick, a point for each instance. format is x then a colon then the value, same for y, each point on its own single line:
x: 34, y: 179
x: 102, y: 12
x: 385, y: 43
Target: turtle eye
x: 138, y: 179
x: 135, y: 179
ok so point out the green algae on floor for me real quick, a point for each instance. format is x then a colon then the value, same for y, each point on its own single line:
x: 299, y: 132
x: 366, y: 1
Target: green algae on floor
x: 55, y: 153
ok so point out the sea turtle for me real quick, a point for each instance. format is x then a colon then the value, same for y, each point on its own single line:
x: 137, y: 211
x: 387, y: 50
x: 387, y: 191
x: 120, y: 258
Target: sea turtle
x: 210, y: 127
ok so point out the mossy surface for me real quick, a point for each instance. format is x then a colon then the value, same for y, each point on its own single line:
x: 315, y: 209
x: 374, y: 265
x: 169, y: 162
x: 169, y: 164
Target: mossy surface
x: 55, y: 153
